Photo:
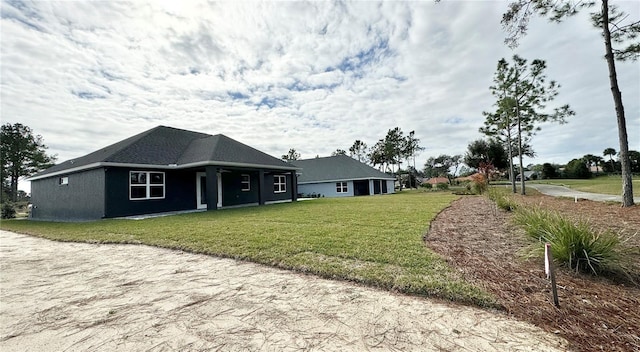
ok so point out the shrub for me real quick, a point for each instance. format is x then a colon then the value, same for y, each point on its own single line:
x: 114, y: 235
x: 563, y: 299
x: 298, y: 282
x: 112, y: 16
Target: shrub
x: 549, y: 171
x: 442, y: 186
x: 8, y: 211
x: 576, y: 244
x: 479, y: 183
x: 576, y: 168
x: 426, y: 185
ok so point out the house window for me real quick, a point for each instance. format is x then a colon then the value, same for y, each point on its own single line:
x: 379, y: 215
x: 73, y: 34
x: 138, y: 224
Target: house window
x: 246, y: 183
x: 63, y: 181
x: 279, y: 184
x: 341, y: 187
x: 146, y: 185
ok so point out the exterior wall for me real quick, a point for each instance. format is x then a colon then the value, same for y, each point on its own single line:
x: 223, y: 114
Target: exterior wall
x: 270, y: 195
x: 105, y: 193
x: 179, y: 193
x: 232, y: 193
x: 327, y: 189
x: 81, y: 199
x: 390, y: 187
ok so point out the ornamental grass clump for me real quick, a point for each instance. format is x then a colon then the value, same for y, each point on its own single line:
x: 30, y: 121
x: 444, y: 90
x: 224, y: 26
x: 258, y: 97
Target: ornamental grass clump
x: 576, y: 244
x: 502, y: 200
x: 505, y: 203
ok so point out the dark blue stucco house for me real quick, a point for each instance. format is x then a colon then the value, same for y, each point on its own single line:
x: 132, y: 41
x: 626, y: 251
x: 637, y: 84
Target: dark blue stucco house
x: 160, y: 170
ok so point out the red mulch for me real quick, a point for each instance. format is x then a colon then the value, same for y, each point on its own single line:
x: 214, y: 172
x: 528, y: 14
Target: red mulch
x: 595, y: 314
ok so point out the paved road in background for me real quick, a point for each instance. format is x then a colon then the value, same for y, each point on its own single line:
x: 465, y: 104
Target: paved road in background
x: 561, y: 191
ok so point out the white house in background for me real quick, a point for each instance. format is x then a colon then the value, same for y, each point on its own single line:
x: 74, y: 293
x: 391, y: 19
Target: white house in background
x: 340, y: 176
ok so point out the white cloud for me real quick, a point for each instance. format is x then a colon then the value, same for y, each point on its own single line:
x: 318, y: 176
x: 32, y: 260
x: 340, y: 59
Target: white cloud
x: 275, y: 75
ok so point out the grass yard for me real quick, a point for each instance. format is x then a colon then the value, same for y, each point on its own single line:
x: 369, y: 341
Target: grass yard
x: 371, y: 240
x: 600, y: 184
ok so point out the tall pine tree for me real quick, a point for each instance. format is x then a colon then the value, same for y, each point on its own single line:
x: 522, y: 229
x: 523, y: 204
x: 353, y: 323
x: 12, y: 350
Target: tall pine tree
x: 616, y: 29
x: 522, y: 94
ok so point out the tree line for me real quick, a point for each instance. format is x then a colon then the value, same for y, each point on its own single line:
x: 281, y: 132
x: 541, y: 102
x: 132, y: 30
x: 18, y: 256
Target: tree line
x: 22, y: 153
x: 490, y: 157
x: 590, y: 165
x: 387, y: 154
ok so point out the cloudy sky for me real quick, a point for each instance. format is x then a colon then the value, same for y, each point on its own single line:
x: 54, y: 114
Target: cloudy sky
x: 279, y: 75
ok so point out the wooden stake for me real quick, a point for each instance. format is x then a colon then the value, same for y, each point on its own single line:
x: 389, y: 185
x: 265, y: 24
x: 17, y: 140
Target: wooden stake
x: 549, y: 270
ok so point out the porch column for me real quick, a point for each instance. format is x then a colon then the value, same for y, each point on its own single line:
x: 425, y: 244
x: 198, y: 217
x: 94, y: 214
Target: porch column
x: 371, y: 188
x: 261, y: 187
x: 212, y: 187
x: 294, y: 186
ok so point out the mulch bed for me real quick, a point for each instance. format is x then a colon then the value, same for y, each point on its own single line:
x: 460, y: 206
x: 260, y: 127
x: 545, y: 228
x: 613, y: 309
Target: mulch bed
x: 595, y: 314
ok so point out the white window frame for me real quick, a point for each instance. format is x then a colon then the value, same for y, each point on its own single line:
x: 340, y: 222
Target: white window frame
x: 245, y: 184
x: 147, y: 184
x: 342, y: 187
x: 63, y: 181
x: 279, y: 183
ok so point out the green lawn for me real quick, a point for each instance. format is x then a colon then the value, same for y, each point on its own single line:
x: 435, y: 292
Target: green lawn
x: 372, y: 240
x: 601, y: 184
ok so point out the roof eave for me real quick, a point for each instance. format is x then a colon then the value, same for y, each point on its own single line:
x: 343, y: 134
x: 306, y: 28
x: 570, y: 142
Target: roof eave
x: 347, y: 179
x: 235, y: 164
x: 162, y: 167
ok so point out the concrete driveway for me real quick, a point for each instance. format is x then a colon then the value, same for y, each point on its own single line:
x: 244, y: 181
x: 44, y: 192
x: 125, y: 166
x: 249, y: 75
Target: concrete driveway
x: 82, y: 297
x: 561, y: 191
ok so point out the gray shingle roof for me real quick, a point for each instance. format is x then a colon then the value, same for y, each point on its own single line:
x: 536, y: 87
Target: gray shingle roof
x: 336, y: 168
x: 168, y: 146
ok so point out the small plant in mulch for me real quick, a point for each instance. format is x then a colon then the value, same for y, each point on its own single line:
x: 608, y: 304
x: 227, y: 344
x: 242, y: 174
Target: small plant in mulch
x: 505, y: 203
x: 502, y: 200
x: 577, y: 244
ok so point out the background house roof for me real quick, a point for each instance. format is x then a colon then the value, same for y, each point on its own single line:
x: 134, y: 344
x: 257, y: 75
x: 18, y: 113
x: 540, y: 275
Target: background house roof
x: 168, y: 146
x: 436, y: 180
x: 467, y: 178
x: 336, y: 168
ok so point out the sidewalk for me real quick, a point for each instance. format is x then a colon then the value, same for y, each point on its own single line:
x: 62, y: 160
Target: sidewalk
x: 561, y: 191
